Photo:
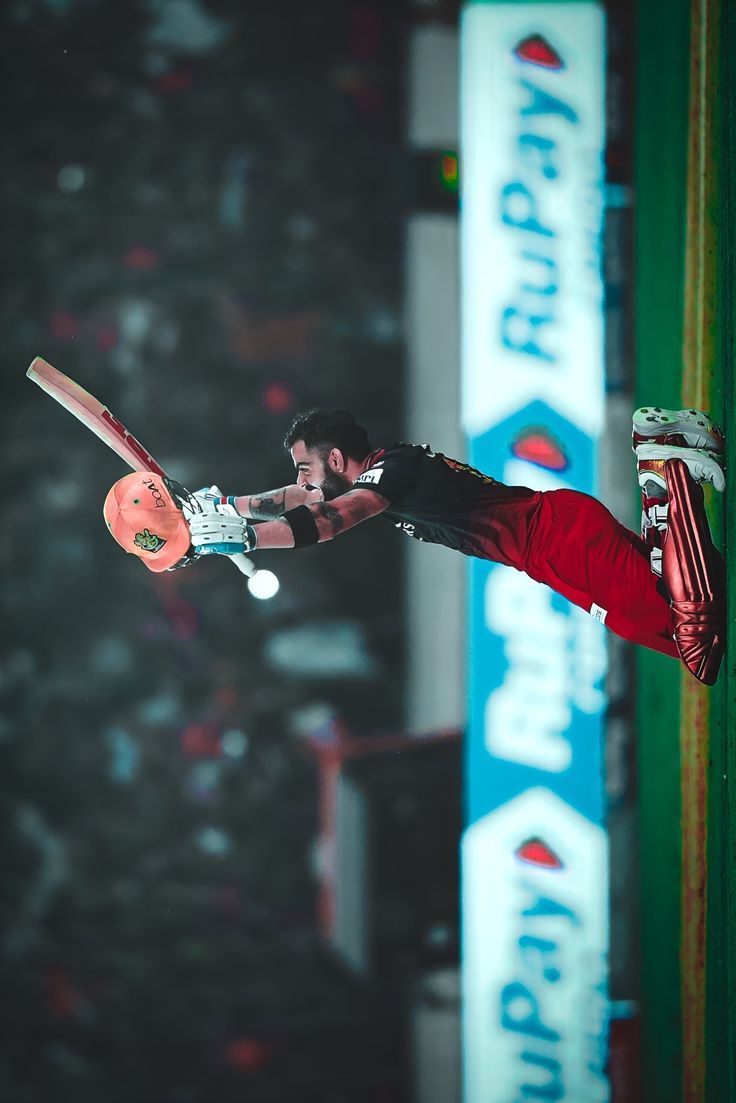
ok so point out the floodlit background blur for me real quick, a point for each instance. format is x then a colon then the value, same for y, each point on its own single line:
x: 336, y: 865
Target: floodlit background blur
x: 205, y: 210
x: 231, y: 823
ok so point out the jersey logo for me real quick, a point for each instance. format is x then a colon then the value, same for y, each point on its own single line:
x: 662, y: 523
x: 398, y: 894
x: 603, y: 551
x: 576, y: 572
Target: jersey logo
x: 456, y: 465
x: 372, y: 476
x: 409, y: 529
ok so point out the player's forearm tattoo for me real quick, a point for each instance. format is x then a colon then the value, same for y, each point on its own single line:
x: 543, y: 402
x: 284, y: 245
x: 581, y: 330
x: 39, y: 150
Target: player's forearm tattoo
x: 333, y: 517
x: 265, y: 507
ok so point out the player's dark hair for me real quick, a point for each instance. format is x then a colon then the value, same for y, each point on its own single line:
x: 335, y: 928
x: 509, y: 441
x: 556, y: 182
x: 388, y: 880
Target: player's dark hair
x: 327, y: 428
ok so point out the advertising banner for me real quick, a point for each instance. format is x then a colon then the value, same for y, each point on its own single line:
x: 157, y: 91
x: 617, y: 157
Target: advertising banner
x: 535, y: 877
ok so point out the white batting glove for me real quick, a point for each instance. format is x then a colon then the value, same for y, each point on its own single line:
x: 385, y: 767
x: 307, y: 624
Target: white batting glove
x: 213, y: 502
x: 221, y: 535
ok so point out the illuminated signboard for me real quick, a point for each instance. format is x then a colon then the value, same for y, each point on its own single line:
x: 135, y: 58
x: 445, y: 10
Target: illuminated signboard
x: 535, y: 876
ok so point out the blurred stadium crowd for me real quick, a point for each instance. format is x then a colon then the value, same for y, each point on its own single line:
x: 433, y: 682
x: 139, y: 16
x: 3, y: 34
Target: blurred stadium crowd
x: 203, y: 204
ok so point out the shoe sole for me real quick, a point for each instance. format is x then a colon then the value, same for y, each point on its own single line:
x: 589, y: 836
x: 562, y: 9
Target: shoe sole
x: 702, y: 464
x: 698, y: 428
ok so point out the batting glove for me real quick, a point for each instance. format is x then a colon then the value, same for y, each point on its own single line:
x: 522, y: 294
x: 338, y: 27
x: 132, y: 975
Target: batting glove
x: 212, y: 501
x: 219, y: 535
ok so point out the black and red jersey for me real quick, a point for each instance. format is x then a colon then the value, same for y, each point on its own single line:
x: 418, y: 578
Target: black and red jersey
x: 562, y: 538
x: 444, y: 501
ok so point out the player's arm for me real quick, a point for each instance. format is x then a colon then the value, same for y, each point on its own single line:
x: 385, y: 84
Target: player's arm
x: 259, y: 507
x: 299, y: 527
x: 275, y: 503
x: 329, y: 519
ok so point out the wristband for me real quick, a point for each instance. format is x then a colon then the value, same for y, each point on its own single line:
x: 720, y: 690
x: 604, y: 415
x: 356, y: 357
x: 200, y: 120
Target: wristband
x: 303, y: 526
x: 228, y: 500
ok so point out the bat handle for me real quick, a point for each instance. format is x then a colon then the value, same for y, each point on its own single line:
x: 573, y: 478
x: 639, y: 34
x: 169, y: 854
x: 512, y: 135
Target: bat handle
x: 244, y: 564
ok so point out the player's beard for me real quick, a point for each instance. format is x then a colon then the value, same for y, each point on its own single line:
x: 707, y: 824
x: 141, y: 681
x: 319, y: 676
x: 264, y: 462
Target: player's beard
x: 333, y: 485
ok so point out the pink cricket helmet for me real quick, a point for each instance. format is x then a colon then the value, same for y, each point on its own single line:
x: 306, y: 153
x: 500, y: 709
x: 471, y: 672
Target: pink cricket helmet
x: 146, y: 521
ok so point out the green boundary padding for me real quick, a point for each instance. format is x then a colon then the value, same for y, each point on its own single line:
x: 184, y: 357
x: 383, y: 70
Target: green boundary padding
x: 701, y: 377
x: 475, y: 3
x: 720, y: 1013
x: 662, y: 73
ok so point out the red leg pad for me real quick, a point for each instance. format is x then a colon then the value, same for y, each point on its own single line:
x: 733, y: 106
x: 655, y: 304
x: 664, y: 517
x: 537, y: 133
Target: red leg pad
x: 693, y: 572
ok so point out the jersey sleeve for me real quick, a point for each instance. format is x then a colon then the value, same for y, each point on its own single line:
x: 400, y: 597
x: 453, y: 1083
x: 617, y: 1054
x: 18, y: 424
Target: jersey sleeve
x: 393, y: 474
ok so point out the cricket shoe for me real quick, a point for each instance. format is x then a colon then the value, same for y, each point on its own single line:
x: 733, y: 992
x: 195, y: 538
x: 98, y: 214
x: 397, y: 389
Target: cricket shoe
x: 704, y: 466
x: 679, y: 428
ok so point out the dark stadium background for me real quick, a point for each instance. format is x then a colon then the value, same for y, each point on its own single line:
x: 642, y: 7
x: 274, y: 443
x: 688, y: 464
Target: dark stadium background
x: 203, y: 226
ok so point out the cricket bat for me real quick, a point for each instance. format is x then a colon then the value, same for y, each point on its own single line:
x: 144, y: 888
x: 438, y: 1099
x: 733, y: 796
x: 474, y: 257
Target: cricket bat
x: 106, y: 426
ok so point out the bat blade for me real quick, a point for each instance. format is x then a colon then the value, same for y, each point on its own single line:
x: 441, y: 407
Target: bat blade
x: 87, y: 409
x: 97, y: 418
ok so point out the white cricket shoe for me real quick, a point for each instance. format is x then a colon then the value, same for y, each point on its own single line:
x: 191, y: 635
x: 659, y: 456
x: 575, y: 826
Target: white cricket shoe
x: 679, y: 428
x: 704, y: 466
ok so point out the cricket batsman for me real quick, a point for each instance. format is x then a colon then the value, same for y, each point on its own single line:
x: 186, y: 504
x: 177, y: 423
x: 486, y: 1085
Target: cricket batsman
x: 663, y: 589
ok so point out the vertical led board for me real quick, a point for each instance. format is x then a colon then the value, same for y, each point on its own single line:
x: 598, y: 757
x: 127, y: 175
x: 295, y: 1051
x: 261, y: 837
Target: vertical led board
x: 534, y: 852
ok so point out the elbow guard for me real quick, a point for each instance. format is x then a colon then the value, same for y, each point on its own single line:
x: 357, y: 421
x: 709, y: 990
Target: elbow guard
x: 303, y: 526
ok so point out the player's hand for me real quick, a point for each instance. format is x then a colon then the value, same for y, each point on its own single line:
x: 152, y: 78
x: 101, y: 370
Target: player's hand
x: 311, y: 496
x: 219, y: 535
x: 210, y: 501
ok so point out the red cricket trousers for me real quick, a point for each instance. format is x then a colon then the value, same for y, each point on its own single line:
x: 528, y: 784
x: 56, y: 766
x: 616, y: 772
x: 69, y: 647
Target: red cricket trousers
x: 579, y: 549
